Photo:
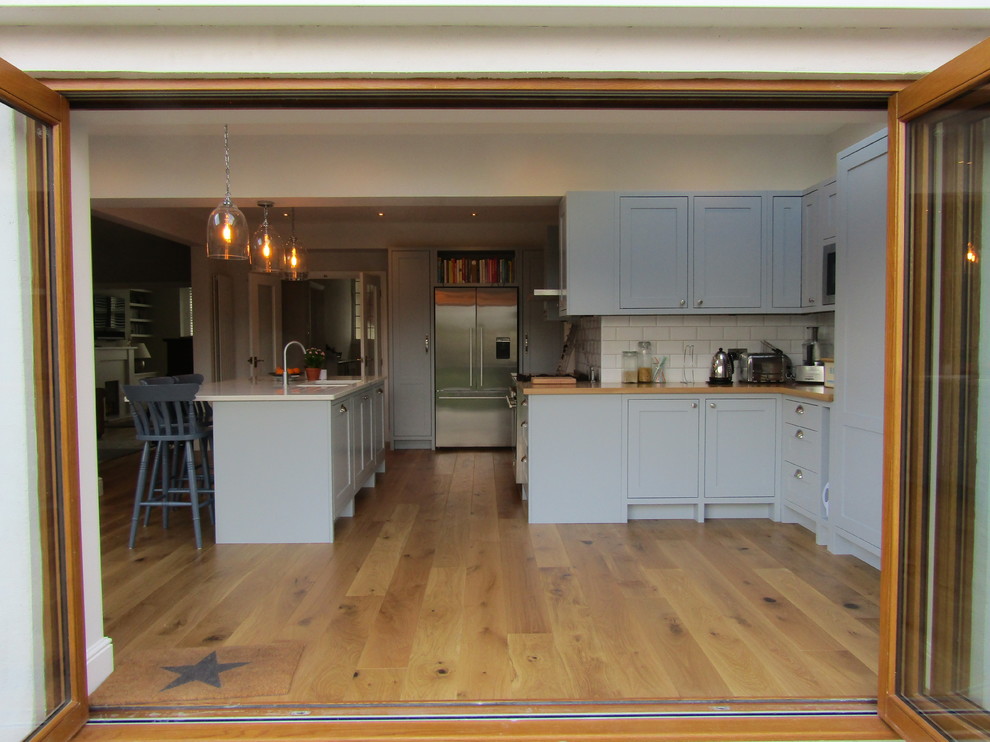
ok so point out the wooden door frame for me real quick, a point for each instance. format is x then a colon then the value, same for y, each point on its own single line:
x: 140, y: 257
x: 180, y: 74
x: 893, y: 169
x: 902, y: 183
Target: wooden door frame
x: 22, y: 93
x: 970, y: 69
x: 800, y: 719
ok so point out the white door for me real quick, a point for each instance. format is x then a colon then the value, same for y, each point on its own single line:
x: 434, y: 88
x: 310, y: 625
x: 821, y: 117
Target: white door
x: 265, y: 325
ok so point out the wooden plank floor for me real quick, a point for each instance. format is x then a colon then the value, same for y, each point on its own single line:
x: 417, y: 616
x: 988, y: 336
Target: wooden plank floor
x: 438, y: 590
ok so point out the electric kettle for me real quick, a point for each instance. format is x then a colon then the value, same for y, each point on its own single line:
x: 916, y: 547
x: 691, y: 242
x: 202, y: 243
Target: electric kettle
x: 721, y: 368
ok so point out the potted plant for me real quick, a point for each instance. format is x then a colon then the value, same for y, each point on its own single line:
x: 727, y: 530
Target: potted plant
x: 314, y: 361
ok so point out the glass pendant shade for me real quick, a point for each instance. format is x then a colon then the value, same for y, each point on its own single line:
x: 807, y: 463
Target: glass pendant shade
x: 266, y: 246
x: 295, y: 265
x: 227, y: 234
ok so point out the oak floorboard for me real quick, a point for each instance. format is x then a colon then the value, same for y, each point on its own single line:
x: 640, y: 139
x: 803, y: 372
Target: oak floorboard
x: 434, y: 661
x: 439, y: 590
x: 834, y: 619
x: 738, y: 664
x: 782, y: 658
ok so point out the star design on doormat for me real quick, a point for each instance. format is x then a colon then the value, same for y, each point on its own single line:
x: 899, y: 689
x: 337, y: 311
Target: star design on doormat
x: 207, y: 670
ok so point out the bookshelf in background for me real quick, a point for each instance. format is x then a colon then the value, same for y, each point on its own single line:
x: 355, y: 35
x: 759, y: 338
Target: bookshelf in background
x: 476, y: 268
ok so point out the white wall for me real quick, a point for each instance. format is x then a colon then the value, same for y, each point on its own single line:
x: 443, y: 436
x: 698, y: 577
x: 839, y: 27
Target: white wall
x: 631, y: 49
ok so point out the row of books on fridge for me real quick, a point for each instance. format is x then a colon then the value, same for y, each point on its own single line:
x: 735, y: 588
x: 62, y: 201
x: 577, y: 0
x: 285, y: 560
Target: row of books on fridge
x: 475, y: 270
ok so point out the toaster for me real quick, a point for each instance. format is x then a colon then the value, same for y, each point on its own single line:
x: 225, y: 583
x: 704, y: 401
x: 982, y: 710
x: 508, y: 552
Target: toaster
x: 765, y: 368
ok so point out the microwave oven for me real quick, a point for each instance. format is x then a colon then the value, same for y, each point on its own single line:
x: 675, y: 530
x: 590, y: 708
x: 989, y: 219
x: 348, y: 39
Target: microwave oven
x: 828, y: 274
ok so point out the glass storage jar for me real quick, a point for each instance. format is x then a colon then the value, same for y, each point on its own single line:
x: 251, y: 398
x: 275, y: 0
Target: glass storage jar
x: 644, y: 362
x: 630, y: 366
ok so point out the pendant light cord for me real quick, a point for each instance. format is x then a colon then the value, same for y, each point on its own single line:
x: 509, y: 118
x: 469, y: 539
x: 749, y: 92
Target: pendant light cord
x: 226, y: 160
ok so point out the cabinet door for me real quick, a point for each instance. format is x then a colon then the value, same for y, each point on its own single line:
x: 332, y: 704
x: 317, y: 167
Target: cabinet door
x: 811, y: 249
x: 412, y: 347
x: 589, y: 253
x: 653, y: 252
x: 367, y: 439
x: 378, y: 423
x: 740, y: 447
x: 786, y: 252
x: 663, y: 448
x: 340, y: 453
x: 857, y: 413
x: 728, y: 252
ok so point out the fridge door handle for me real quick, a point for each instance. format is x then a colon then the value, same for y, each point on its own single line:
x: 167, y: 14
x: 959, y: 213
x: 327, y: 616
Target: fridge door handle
x: 481, y: 356
x: 471, y: 357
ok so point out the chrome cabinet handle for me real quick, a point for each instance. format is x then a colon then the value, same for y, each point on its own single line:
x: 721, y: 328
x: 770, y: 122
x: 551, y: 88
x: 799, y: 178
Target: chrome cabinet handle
x: 799, y: 435
x: 683, y: 302
x: 524, y: 459
x: 798, y: 474
x: 712, y: 405
x: 525, y: 403
x: 426, y: 343
x: 342, y: 410
x: 699, y: 302
x: 524, y: 424
x: 811, y: 300
x: 694, y: 405
x: 799, y: 409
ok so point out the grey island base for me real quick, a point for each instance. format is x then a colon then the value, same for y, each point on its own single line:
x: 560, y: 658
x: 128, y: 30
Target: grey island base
x: 287, y: 465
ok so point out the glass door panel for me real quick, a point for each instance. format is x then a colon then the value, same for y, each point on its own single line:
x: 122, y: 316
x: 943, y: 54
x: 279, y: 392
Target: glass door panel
x: 36, y: 641
x: 944, y: 610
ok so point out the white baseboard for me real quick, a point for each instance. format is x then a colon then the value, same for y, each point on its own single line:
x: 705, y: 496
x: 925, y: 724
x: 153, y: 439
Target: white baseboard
x: 99, y: 662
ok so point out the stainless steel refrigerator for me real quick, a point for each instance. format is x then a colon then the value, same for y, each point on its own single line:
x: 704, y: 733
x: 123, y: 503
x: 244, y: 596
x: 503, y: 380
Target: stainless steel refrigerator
x: 476, y: 353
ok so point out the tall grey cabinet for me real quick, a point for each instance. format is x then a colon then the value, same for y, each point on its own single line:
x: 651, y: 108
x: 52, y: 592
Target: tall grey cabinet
x: 856, y: 437
x: 411, y: 360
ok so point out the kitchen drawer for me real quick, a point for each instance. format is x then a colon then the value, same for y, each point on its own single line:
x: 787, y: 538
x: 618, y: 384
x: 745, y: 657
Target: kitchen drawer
x: 803, y: 489
x: 803, y: 447
x: 802, y: 413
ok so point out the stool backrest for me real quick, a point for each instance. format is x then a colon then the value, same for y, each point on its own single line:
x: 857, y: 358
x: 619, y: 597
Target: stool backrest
x: 189, y: 378
x: 155, y: 380
x: 164, y: 412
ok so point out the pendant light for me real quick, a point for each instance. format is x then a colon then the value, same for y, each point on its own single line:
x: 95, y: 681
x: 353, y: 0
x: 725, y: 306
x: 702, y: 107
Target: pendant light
x: 227, y: 236
x: 266, y: 247
x: 295, y: 266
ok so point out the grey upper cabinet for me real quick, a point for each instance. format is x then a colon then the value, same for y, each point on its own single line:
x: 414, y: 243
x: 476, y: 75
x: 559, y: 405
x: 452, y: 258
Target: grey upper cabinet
x: 411, y: 305
x: 588, y: 253
x: 786, y: 250
x: 817, y: 231
x: 728, y: 252
x: 653, y: 252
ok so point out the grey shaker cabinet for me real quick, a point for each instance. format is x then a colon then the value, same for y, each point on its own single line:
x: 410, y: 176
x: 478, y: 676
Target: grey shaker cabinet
x: 664, y: 445
x: 786, y: 257
x: 856, y: 436
x: 653, y: 252
x: 411, y: 380
x: 727, y: 252
x: 740, y: 448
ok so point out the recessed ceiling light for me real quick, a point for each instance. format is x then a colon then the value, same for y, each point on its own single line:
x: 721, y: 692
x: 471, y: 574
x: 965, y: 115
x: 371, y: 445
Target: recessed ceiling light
x: 381, y: 213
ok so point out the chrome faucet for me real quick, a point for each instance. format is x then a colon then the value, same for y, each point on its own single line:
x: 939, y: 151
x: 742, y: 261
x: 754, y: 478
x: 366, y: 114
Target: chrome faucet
x: 285, y: 363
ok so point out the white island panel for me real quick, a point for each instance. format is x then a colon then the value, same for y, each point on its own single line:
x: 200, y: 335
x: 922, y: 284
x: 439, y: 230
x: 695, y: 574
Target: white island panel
x: 273, y: 477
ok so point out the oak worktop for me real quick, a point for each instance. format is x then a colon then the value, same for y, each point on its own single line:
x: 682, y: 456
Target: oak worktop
x: 814, y: 392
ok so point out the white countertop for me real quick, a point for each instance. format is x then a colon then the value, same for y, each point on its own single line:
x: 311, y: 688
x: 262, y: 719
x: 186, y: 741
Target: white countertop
x: 269, y: 389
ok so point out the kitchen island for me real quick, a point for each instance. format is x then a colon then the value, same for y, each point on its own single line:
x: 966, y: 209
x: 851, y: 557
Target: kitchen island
x: 288, y: 462
x: 600, y: 452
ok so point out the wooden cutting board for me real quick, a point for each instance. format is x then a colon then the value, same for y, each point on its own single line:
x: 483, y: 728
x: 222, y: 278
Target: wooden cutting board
x: 553, y: 380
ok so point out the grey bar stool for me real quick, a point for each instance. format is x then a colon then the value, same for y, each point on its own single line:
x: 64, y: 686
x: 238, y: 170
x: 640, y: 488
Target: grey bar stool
x: 165, y: 418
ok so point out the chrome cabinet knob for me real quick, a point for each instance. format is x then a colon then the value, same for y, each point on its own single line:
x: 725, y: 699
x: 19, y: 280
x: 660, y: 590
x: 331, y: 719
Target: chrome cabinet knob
x: 799, y: 409
x: 683, y: 302
x: 699, y: 302
x: 694, y: 405
x: 524, y: 459
x: 712, y: 405
x: 524, y: 424
x: 799, y: 435
x: 342, y: 410
x: 798, y: 474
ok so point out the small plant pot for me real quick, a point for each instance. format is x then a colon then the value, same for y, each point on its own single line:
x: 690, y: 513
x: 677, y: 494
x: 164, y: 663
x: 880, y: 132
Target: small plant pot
x: 312, y: 374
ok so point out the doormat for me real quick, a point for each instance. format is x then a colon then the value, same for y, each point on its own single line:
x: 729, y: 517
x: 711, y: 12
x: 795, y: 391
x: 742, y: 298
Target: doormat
x: 200, y: 674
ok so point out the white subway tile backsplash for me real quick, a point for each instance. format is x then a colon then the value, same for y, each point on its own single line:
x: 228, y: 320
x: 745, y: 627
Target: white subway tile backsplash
x: 683, y: 333
x: 670, y: 334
